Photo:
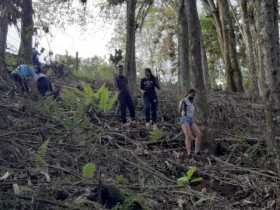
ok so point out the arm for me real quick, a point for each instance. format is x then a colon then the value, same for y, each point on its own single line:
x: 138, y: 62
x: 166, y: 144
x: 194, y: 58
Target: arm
x: 157, y: 83
x: 116, y: 83
x: 142, y: 85
x: 180, y: 106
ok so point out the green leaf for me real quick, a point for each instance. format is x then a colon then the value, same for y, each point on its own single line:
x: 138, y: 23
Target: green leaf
x: 120, y: 179
x: 191, y: 172
x: 88, y: 170
x: 40, y: 161
x: 183, y: 181
x: 196, y: 180
x: 155, y: 134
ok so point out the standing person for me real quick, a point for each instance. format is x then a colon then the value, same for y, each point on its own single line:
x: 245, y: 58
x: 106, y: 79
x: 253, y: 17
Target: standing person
x: 35, y: 60
x: 148, y: 86
x: 44, y: 85
x: 186, y: 109
x: 23, y: 75
x: 124, y: 96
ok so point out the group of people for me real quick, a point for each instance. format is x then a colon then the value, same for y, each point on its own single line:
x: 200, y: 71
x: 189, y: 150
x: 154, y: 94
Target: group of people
x: 26, y: 75
x: 148, y: 86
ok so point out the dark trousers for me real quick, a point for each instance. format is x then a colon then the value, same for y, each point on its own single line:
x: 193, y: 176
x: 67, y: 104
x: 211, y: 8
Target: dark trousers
x: 126, y: 102
x: 21, y: 83
x: 44, y: 85
x: 150, y: 106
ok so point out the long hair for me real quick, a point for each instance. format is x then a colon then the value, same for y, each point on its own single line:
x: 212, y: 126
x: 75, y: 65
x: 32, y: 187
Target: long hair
x: 150, y: 72
x: 190, y: 92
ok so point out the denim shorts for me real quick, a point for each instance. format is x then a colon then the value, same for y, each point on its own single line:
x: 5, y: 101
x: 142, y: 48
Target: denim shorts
x: 186, y: 120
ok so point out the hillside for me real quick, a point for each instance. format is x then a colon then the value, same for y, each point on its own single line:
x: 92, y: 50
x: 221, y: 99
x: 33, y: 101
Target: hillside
x: 43, y: 156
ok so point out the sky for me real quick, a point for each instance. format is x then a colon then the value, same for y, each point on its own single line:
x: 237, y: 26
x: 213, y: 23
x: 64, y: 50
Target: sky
x: 89, y: 40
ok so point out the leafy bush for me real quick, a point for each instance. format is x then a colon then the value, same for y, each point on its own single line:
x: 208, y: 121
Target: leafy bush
x: 99, y: 72
x: 189, y: 178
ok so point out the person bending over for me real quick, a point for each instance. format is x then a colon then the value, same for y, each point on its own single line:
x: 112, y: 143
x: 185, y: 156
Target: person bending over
x: 124, y: 96
x: 23, y: 75
x: 43, y: 83
x: 148, y: 86
x: 186, y: 109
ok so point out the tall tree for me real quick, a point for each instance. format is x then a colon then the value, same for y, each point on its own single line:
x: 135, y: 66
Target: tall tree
x: 197, y: 60
x: 247, y: 22
x: 3, y: 35
x: 183, y: 48
x: 224, y: 27
x: 269, y: 40
x: 205, y: 68
x: 27, y: 28
x: 130, y: 65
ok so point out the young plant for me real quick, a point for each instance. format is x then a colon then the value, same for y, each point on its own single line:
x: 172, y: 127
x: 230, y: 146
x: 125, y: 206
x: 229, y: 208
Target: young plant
x: 89, y: 170
x: 189, y: 178
x: 155, y: 134
x: 40, y: 159
x: 105, y: 99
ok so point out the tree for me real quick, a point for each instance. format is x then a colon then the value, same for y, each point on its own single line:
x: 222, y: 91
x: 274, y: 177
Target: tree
x: 130, y: 65
x: 9, y: 13
x: 269, y: 41
x: 183, y: 48
x: 247, y: 22
x: 27, y: 28
x: 3, y: 35
x: 196, y: 60
x: 224, y: 27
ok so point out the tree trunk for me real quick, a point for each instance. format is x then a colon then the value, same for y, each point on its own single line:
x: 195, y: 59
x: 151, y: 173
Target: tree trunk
x: 130, y: 65
x: 251, y: 59
x: 270, y: 47
x: 183, y: 45
x: 27, y: 28
x: 206, y: 78
x: 233, y: 72
x: 3, y: 39
x: 196, y: 61
x: 224, y: 27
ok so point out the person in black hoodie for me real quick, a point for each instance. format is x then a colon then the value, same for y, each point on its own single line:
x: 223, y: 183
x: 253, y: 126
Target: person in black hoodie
x: 124, y: 96
x: 148, y: 86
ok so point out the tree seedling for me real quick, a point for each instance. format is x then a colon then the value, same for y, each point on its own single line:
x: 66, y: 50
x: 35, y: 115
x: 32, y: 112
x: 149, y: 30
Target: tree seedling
x: 189, y: 178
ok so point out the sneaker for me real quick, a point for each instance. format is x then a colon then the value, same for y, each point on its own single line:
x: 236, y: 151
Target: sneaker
x: 155, y: 127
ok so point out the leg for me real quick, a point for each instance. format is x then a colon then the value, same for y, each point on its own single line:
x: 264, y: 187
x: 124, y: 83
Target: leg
x: 130, y: 107
x: 198, y: 137
x: 188, y: 138
x: 147, y: 107
x: 43, y: 86
x: 122, y: 108
x: 154, y: 104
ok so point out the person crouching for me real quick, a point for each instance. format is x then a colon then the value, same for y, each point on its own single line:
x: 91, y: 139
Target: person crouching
x: 44, y: 85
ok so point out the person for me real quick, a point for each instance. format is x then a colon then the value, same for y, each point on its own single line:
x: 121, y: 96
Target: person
x: 186, y: 109
x: 44, y: 85
x: 124, y: 97
x: 22, y: 76
x: 35, y: 60
x: 148, y: 86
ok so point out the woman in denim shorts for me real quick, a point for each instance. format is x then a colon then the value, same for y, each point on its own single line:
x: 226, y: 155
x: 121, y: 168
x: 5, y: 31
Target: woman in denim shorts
x: 186, y: 109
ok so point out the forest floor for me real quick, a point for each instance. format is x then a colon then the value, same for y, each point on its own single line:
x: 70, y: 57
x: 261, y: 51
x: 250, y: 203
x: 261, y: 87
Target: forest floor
x: 133, y: 170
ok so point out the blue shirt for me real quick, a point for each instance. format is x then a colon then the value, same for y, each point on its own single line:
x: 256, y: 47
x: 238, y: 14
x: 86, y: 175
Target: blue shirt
x: 24, y: 71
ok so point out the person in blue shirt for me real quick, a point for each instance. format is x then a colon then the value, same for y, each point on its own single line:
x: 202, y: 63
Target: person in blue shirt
x: 148, y: 86
x: 22, y: 76
x: 186, y: 109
